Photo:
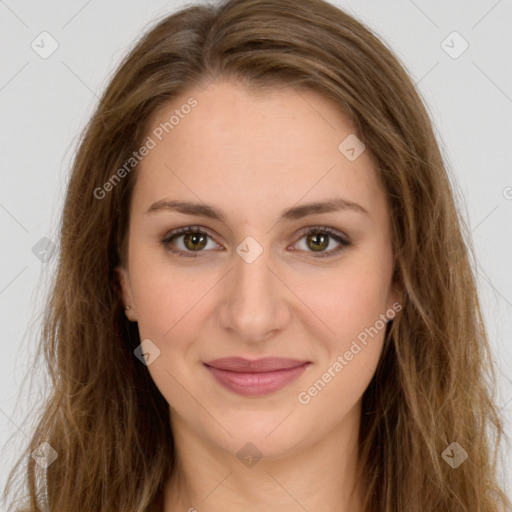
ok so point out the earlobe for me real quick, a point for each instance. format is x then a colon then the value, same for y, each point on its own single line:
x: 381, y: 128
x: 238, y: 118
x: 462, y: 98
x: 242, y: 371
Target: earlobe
x: 130, y: 313
x: 125, y: 291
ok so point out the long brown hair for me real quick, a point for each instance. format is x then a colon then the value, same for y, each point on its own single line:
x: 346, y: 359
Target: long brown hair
x: 435, y: 381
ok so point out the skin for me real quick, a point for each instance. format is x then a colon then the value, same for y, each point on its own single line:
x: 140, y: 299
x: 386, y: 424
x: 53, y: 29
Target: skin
x: 230, y: 152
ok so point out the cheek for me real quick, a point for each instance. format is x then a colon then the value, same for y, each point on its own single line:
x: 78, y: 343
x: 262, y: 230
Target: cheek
x: 352, y: 300
x: 171, y: 312
x: 166, y: 295
x: 351, y: 306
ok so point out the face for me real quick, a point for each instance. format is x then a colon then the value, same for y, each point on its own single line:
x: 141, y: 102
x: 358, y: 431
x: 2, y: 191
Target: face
x: 261, y: 275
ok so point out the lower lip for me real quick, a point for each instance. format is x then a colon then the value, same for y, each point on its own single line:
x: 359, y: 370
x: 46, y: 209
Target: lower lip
x: 256, y: 384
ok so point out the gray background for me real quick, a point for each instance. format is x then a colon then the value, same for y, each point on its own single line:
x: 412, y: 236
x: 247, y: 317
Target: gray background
x: 44, y: 104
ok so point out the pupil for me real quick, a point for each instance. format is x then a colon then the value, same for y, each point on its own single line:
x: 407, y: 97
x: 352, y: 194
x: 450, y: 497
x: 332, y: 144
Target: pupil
x: 195, y: 238
x: 321, y: 245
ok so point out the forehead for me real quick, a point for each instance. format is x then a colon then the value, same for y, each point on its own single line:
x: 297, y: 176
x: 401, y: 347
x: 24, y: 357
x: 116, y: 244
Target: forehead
x: 241, y: 147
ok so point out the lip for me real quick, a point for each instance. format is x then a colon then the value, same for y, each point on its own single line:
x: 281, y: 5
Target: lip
x: 251, y: 377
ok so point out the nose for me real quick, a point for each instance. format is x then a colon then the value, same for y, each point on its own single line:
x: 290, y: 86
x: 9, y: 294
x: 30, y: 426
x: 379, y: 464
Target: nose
x: 254, y: 302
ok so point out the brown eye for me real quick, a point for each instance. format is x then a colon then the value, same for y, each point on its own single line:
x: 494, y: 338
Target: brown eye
x: 187, y: 241
x: 318, y: 239
x: 194, y: 241
x: 191, y: 241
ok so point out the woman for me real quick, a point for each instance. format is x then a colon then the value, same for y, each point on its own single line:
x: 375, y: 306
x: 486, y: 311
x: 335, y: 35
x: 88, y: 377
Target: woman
x: 264, y: 300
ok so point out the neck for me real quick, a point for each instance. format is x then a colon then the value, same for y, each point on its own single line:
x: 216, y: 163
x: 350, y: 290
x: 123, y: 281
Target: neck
x: 321, y: 476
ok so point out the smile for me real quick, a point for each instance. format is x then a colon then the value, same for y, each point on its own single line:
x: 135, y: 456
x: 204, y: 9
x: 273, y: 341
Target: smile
x: 255, y: 378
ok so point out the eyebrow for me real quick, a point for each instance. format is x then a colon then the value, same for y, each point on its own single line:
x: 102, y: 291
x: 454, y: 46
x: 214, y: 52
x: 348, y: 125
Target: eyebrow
x: 294, y: 213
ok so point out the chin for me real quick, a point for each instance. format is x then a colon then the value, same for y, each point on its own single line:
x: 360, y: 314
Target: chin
x: 267, y: 438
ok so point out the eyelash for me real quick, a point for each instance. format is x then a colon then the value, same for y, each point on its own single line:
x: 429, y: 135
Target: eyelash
x: 166, y: 241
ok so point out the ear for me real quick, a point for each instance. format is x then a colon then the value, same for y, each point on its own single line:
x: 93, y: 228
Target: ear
x: 123, y: 278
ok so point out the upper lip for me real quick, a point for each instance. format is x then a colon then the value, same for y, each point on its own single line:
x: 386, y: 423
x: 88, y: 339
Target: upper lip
x: 265, y: 364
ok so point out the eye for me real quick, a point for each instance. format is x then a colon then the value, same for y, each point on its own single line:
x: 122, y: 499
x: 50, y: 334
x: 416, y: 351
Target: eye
x: 318, y: 239
x: 195, y: 240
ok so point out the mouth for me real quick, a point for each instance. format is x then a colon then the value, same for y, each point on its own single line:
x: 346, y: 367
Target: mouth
x: 255, y: 377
